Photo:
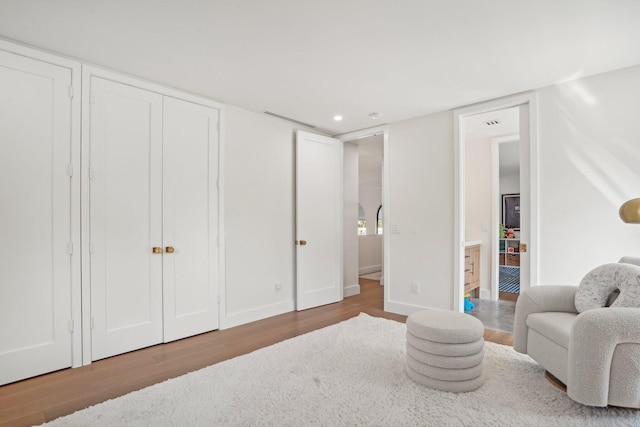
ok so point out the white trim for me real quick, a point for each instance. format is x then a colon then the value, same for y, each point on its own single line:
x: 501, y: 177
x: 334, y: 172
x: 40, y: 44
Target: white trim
x: 222, y: 243
x: 403, y: 308
x: 386, y: 242
x: 351, y: 290
x: 91, y: 70
x: 459, y: 114
x: 369, y: 269
x: 258, y: 313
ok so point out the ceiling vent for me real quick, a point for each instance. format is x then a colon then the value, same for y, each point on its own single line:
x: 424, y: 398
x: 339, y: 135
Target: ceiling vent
x: 492, y: 122
x: 289, y: 119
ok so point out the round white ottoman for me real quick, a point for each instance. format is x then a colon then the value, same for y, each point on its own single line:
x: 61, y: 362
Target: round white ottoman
x: 445, y: 350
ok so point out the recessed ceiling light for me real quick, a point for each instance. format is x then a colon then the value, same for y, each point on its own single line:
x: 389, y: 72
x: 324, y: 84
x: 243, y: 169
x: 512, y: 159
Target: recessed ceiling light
x: 337, y: 117
x: 375, y: 116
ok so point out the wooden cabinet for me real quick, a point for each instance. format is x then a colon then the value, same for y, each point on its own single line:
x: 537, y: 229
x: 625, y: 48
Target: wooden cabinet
x: 472, y: 268
x: 153, y: 216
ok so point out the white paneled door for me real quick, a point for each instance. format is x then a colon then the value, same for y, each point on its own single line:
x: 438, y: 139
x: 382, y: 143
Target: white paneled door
x: 125, y: 218
x: 35, y: 217
x: 190, y: 221
x: 318, y: 220
x: 153, y: 217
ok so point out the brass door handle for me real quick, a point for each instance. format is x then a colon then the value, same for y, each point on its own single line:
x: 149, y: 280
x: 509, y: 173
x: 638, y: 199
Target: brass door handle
x: 156, y: 250
x: 169, y: 249
x: 303, y: 242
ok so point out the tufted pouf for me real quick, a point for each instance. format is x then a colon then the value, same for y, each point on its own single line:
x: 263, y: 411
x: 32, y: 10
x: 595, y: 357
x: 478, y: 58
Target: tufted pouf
x: 445, y: 350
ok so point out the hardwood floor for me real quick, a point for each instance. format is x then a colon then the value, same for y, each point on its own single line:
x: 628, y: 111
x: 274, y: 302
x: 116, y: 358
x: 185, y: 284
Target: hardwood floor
x: 44, y: 398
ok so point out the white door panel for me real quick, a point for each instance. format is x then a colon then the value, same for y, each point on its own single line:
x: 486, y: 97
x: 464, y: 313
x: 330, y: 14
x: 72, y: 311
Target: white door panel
x: 190, y: 205
x: 125, y: 217
x: 35, y: 196
x: 318, y: 220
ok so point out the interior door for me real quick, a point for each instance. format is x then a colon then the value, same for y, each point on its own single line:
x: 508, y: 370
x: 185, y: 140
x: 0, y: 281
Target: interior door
x: 190, y: 220
x: 125, y: 217
x: 319, y: 213
x: 35, y: 219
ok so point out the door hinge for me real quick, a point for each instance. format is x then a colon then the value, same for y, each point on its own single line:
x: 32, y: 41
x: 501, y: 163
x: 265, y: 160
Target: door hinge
x: 218, y: 241
x: 92, y: 323
x: 70, y: 169
x: 71, y: 326
x: 219, y: 299
x: 90, y: 172
x: 70, y: 248
x: 218, y: 126
x: 91, y: 98
x: 71, y: 92
x: 90, y: 248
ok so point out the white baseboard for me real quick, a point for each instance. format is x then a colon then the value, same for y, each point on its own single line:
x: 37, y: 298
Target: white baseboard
x: 369, y: 269
x: 485, y: 294
x: 258, y: 313
x: 404, y: 309
x: 351, y: 290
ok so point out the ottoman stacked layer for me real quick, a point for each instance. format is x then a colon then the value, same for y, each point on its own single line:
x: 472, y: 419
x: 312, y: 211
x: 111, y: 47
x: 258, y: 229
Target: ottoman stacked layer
x: 445, y: 350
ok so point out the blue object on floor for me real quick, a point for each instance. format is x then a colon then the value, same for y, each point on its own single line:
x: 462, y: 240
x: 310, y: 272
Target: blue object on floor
x: 468, y: 305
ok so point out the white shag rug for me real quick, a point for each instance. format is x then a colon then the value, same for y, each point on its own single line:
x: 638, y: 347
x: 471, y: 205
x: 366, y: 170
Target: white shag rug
x: 351, y: 373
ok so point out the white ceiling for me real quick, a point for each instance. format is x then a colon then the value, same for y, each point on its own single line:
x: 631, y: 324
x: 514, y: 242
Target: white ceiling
x: 310, y: 60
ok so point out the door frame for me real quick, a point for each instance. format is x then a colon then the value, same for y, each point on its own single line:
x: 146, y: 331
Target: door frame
x: 459, y: 114
x: 386, y: 256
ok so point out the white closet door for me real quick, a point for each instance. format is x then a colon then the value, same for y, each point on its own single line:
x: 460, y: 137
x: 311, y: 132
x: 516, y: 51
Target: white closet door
x: 35, y: 201
x: 125, y: 217
x: 190, y: 222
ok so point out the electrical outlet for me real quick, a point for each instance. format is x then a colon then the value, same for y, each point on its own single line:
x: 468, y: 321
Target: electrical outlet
x: 278, y: 286
x: 415, y: 287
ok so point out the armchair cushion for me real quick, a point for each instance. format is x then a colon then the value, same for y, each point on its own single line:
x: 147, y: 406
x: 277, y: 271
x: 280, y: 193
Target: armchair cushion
x: 594, y: 365
x: 596, y: 287
x: 540, y: 299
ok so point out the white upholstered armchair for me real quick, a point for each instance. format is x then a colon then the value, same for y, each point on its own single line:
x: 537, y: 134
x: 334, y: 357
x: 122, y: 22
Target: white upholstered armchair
x: 587, y: 337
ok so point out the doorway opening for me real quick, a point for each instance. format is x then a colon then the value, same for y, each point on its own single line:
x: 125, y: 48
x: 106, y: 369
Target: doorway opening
x: 364, y: 219
x: 484, y: 133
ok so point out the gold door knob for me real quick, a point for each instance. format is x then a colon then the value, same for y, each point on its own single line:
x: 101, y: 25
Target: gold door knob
x: 169, y: 249
x: 156, y: 250
x: 303, y: 242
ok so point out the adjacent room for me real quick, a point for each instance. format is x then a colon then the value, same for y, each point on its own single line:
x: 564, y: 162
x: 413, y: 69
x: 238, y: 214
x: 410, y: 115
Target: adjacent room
x: 333, y: 213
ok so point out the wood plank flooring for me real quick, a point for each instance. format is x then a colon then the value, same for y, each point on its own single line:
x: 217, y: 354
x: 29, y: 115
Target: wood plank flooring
x: 44, y: 398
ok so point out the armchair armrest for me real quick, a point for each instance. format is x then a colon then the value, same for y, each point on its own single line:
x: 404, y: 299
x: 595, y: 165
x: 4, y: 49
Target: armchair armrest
x: 595, y: 335
x: 540, y: 299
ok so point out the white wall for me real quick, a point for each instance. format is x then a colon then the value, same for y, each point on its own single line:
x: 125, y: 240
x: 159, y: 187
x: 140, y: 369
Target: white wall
x: 509, y: 184
x: 369, y: 253
x: 589, y: 165
x: 589, y: 152
x: 421, y: 211
x: 370, y: 245
x: 259, y: 210
x: 478, y: 202
x: 350, y: 227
